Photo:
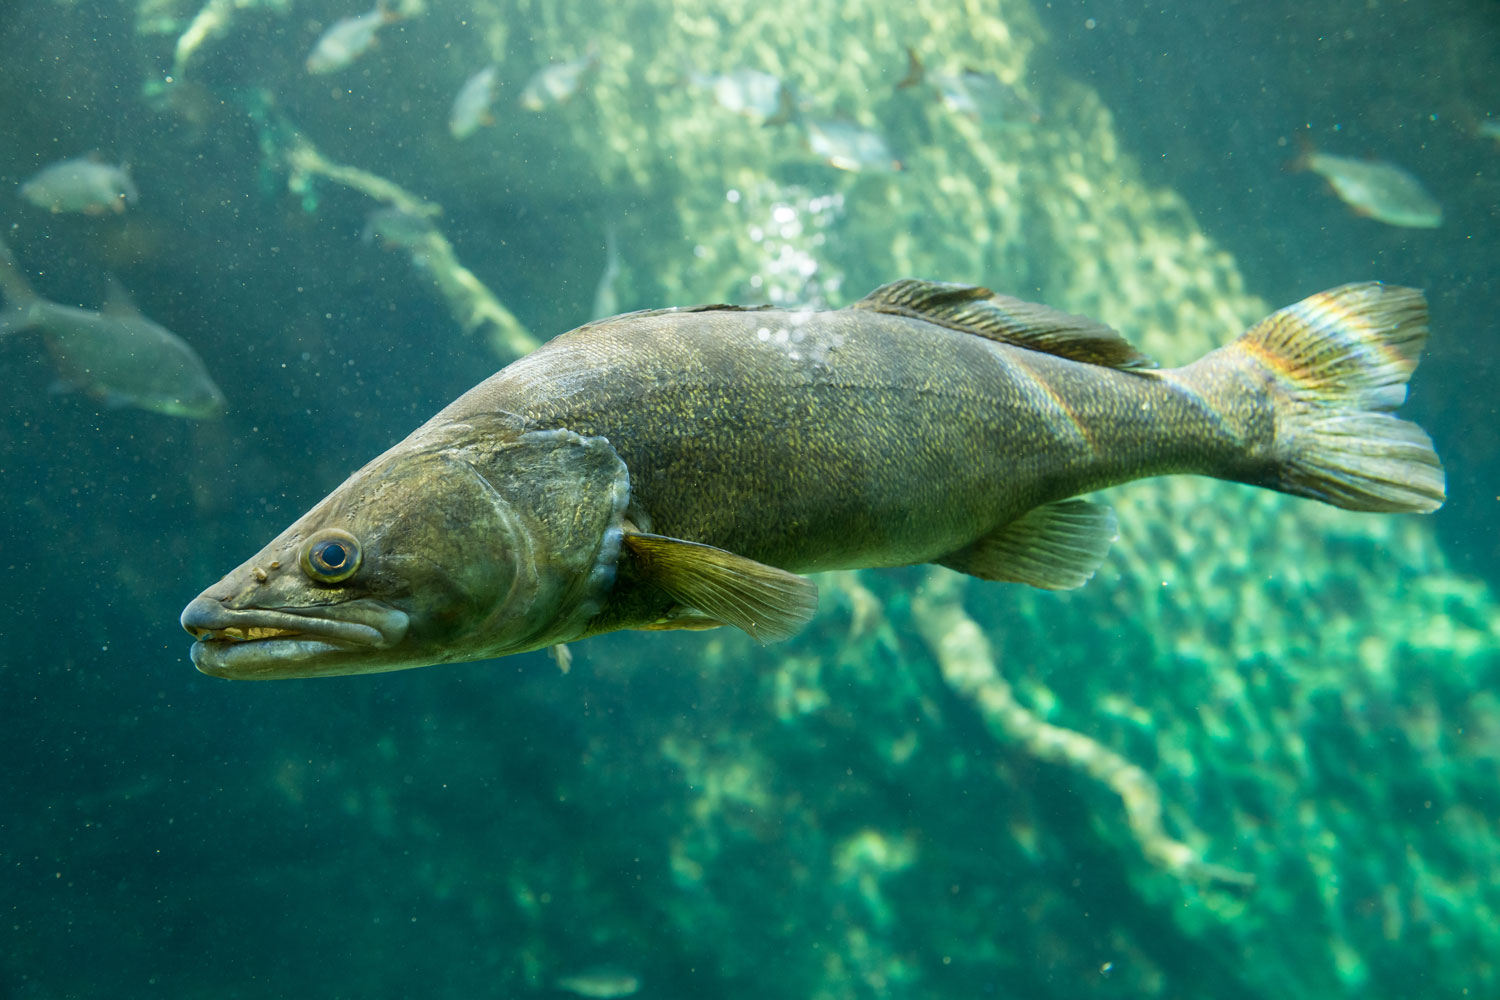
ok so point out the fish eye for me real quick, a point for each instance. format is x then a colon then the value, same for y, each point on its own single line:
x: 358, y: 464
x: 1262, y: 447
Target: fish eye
x: 331, y: 556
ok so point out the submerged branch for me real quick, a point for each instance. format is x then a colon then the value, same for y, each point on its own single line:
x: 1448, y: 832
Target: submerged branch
x: 406, y: 221
x: 968, y: 666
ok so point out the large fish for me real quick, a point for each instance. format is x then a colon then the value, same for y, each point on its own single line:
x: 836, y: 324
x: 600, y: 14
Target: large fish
x: 678, y: 469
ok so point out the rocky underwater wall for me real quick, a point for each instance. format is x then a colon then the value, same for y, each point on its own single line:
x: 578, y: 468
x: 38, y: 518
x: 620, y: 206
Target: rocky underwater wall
x: 950, y: 786
x: 1254, y: 757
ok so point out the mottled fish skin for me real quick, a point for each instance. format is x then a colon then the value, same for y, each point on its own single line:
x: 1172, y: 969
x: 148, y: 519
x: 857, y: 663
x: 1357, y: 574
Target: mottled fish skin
x: 581, y: 489
x: 893, y: 440
x: 83, y: 184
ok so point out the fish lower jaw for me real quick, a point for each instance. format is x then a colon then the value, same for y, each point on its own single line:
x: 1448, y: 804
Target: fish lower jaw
x: 261, y: 658
x: 271, y: 642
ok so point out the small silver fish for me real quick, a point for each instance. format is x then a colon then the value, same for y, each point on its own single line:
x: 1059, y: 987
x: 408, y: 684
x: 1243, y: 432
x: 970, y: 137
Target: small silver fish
x: 83, y: 184
x: 848, y: 145
x: 606, y: 982
x: 1488, y: 129
x: 348, y: 39
x: 744, y: 91
x: 471, y: 108
x: 116, y: 355
x: 1377, y: 189
x: 555, y: 84
x: 975, y: 94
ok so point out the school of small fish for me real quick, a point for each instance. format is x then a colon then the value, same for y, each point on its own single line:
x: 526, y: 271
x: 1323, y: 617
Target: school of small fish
x: 91, y: 185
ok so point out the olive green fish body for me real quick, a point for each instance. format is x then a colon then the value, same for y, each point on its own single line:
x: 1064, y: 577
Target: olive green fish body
x: 679, y: 468
x: 831, y: 440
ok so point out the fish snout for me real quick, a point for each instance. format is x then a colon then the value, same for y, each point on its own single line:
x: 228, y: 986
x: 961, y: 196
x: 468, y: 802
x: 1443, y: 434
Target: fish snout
x: 209, y: 620
x: 360, y: 623
x: 202, y: 616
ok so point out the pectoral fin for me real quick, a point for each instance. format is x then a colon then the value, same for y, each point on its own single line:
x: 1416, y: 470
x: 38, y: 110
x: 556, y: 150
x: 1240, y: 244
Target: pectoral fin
x: 1054, y: 547
x: 767, y: 603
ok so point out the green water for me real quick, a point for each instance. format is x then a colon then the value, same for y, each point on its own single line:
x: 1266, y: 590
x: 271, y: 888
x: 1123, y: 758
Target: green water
x: 942, y: 788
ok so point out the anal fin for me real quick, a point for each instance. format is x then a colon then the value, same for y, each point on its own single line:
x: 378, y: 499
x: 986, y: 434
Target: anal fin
x: 1058, y: 546
x: 767, y: 603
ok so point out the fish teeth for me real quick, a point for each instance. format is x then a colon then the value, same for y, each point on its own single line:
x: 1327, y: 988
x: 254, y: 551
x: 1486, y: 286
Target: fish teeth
x: 235, y: 633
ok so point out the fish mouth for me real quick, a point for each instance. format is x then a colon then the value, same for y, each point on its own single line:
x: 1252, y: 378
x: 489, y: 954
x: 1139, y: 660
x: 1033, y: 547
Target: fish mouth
x: 263, y: 643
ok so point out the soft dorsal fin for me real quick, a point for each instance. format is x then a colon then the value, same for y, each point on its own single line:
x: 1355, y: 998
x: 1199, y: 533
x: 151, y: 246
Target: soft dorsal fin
x: 1011, y: 321
x: 767, y: 603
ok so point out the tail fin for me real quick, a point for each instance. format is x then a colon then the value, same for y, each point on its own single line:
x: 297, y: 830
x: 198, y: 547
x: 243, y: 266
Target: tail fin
x: 1338, y: 363
x: 19, y: 295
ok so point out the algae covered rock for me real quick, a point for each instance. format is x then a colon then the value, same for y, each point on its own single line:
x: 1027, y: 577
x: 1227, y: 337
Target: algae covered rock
x: 1254, y: 689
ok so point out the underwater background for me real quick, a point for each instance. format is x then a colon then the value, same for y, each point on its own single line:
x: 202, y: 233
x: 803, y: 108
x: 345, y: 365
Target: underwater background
x: 1257, y: 756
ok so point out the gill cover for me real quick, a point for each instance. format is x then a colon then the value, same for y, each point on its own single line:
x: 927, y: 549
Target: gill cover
x: 565, y: 496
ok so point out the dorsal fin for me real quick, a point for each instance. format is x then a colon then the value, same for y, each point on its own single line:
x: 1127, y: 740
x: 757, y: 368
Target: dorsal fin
x: 118, y: 302
x: 1010, y: 321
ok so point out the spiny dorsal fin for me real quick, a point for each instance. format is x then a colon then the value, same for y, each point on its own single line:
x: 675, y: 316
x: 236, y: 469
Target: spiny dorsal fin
x: 1011, y: 321
x: 1055, y: 547
x: 763, y: 601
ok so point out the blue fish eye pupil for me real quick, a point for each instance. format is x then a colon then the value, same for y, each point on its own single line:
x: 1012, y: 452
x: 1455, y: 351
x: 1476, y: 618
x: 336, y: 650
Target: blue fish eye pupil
x: 332, y: 558
x: 332, y: 555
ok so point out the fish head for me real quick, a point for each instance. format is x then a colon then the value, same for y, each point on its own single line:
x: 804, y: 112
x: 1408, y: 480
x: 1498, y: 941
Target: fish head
x: 467, y: 541
x: 196, y: 398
